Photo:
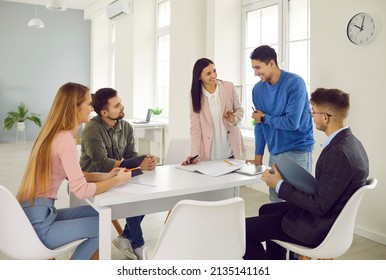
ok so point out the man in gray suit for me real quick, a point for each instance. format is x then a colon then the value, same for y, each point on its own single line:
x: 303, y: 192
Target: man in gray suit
x: 342, y: 168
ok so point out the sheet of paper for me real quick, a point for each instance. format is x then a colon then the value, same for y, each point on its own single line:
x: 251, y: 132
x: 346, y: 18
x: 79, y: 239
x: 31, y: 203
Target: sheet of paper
x: 212, y: 168
x: 135, y: 188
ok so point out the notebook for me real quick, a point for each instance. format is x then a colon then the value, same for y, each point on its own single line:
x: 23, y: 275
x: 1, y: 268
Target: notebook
x: 132, y: 163
x: 212, y: 168
x: 251, y: 169
x: 296, y: 175
x: 148, y: 117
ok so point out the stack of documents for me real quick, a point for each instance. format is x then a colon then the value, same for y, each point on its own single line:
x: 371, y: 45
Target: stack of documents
x: 212, y: 168
x: 221, y: 167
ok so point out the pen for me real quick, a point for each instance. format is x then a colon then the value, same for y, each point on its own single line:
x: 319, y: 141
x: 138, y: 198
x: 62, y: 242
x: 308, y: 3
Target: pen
x: 131, y: 169
x: 253, y: 109
x: 227, y: 161
x: 193, y: 158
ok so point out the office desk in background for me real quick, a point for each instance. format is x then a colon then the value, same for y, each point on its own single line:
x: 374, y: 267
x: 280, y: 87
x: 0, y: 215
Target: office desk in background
x: 152, y: 131
x: 157, y: 191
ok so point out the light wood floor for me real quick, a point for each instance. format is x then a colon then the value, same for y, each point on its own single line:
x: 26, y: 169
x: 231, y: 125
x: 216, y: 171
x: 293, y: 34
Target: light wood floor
x: 13, y: 159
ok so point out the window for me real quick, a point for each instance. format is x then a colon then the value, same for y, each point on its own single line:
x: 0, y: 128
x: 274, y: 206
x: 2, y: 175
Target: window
x: 162, y: 57
x: 282, y: 24
x: 112, y: 53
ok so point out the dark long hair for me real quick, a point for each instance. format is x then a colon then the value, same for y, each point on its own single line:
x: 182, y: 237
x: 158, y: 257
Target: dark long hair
x: 196, y: 90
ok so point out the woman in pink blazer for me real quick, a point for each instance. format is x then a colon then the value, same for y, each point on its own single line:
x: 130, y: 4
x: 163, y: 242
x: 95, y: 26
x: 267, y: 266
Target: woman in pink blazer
x: 215, y: 112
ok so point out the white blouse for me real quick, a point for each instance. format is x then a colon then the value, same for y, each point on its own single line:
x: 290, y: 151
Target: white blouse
x: 221, y: 148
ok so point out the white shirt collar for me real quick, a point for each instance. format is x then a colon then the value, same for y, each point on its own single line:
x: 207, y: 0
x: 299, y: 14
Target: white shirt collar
x: 329, y: 138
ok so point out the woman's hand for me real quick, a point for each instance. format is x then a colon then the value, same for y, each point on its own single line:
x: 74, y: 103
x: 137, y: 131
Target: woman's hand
x: 191, y: 160
x: 230, y: 117
x: 113, y: 172
x: 123, y: 176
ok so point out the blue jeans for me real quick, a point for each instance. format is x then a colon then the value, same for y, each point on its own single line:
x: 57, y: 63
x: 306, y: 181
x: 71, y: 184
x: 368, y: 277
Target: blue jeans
x: 304, y: 159
x: 56, y: 227
x: 133, y: 231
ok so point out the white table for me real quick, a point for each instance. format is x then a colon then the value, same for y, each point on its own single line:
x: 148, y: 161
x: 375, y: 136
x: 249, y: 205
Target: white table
x: 160, y: 190
x: 152, y: 131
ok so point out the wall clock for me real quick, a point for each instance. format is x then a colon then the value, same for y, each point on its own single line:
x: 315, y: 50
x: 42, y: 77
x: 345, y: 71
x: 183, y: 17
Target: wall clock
x: 361, y: 29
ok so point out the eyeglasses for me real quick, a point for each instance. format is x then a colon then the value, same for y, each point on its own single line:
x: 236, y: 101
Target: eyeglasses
x: 312, y: 113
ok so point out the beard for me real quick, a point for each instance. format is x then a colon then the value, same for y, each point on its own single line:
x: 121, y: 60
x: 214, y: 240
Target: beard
x: 121, y: 116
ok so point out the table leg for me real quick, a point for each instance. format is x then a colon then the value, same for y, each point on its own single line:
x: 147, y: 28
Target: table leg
x: 104, y: 233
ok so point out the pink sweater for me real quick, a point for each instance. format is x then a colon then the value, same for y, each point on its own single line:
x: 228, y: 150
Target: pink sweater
x: 65, y: 165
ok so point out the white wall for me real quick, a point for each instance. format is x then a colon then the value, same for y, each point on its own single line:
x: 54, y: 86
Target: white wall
x: 359, y: 71
x: 224, y: 38
x: 100, y: 59
x: 34, y: 63
x: 187, y: 44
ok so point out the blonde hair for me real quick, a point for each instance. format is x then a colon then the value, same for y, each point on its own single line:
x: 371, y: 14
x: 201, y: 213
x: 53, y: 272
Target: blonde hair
x: 62, y: 117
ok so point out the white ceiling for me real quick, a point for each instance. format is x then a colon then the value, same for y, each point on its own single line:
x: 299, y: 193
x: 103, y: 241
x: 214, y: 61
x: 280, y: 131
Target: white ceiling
x: 70, y: 4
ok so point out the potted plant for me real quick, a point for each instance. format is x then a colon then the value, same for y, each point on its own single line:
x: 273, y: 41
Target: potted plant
x: 20, y: 116
x: 156, y: 112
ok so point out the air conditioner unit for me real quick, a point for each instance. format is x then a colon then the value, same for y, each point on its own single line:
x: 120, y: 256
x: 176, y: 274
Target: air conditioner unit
x: 119, y: 8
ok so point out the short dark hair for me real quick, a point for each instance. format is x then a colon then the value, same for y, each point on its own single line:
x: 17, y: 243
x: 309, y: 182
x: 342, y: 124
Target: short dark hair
x: 101, y: 99
x: 265, y: 54
x: 334, y: 99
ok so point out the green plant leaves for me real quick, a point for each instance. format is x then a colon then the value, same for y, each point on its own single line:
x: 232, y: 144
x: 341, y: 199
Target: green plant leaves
x: 22, y: 114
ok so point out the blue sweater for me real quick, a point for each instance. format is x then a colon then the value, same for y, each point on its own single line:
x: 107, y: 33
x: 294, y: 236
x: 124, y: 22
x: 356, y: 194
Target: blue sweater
x: 288, y: 123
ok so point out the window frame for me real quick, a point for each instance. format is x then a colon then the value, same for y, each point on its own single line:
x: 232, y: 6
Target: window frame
x: 282, y: 48
x: 160, y: 32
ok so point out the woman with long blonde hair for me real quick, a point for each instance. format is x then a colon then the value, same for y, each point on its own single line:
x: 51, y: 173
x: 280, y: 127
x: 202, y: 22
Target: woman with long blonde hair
x: 53, y: 159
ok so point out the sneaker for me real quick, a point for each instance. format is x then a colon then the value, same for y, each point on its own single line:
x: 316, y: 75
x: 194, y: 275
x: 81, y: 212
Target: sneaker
x: 139, y: 253
x: 123, y: 244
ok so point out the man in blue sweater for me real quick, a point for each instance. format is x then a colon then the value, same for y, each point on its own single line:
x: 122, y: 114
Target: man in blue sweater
x: 282, y: 113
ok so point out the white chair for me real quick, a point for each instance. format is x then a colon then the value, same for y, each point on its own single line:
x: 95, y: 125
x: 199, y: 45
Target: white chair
x: 18, y: 238
x: 340, y: 236
x: 178, y: 150
x: 202, y: 230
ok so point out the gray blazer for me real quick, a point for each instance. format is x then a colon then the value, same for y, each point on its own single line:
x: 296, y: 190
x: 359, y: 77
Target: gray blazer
x: 341, y: 169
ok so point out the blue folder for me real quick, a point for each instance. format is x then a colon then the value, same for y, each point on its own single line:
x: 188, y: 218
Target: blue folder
x: 296, y: 175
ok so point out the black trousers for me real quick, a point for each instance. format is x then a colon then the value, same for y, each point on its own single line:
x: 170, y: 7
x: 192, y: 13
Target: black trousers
x: 265, y: 227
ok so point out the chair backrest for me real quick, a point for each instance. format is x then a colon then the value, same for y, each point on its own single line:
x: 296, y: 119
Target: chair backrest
x: 18, y: 238
x: 340, y: 236
x: 178, y: 150
x: 203, y: 230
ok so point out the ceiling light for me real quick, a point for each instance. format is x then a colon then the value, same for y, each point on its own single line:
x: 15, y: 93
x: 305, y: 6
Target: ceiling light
x: 56, y: 5
x: 36, y: 22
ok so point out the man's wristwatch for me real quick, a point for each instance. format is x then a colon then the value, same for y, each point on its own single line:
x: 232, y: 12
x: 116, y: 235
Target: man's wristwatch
x: 262, y: 119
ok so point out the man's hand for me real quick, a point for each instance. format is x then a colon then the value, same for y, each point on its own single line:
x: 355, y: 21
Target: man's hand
x: 271, y: 179
x: 148, y: 163
x: 256, y: 115
x: 253, y: 161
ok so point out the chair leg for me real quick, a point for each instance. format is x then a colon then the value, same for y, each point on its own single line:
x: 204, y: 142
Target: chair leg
x: 302, y: 258
x: 117, y: 226
x: 95, y: 256
x: 167, y: 216
x: 308, y: 258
